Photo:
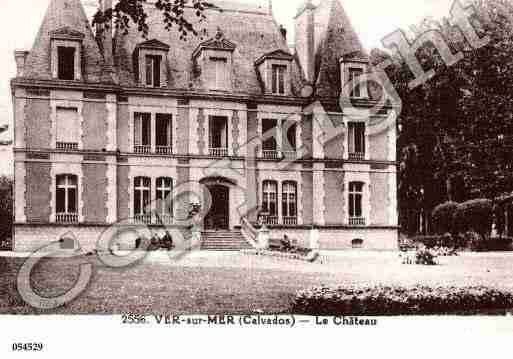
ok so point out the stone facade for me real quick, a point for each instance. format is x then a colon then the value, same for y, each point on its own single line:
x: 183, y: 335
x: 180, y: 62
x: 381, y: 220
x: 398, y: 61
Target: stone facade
x: 101, y: 180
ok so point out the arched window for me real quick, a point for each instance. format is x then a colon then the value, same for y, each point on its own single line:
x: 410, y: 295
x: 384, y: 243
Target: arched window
x: 66, y: 201
x: 142, y: 191
x: 163, y: 196
x: 355, y: 203
x: 289, y: 202
x: 270, y: 201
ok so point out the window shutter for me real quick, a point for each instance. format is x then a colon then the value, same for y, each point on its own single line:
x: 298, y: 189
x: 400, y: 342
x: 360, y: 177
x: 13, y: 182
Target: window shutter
x: 67, y: 125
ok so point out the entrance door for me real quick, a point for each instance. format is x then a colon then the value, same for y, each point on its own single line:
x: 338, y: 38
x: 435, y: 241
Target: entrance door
x: 218, y: 216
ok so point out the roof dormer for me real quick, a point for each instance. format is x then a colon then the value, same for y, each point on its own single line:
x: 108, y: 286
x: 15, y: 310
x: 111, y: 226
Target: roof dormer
x: 66, y: 54
x: 214, y: 61
x: 353, y: 67
x: 274, y: 69
x: 150, y: 59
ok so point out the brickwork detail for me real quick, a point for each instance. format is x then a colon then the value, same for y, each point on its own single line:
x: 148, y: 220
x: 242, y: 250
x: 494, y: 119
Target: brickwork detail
x: 38, y: 181
x: 94, y: 193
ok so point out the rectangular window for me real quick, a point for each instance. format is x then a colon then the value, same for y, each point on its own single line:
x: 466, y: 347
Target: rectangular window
x: 278, y: 80
x: 221, y: 72
x: 68, y: 128
x: 66, y: 198
x: 218, y: 136
x: 142, y: 190
x: 356, y: 140
x: 153, y: 65
x: 289, y: 129
x: 269, y: 138
x: 66, y: 63
x: 164, y: 135
x: 142, y: 132
x: 355, y: 199
x: 356, y: 90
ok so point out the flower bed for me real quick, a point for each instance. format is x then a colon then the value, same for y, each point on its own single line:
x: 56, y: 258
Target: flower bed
x: 419, y: 300
x: 308, y: 255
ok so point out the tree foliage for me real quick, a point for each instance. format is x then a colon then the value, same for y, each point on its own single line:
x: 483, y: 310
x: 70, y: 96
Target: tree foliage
x: 456, y: 142
x: 174, y: 15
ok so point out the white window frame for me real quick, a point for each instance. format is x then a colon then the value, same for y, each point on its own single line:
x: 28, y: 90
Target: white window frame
x: 289, y: 188
x: 66, y: 187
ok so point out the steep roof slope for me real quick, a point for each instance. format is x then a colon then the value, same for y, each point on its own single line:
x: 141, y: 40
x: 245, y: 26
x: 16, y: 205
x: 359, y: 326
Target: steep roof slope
x: 64, y: 14
x: 335, y: 38
x: 252, y: 30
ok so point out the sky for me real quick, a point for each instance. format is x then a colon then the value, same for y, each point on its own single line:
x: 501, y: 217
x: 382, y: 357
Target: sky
x: 372, y: 19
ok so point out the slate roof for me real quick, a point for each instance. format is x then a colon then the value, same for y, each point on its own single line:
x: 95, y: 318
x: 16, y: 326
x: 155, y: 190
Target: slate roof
x: 336, y: 39
x: 65, y: 17
x: 249, y: 31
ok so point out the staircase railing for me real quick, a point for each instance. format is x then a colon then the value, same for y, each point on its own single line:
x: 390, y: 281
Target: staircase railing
x: 249, y: 232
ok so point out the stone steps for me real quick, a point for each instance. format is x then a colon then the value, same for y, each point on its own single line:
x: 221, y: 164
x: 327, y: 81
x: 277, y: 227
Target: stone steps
x: 223, y: 241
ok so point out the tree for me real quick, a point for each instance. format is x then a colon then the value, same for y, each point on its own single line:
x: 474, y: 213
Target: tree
x: 456, y: 141
x: 173, y: 14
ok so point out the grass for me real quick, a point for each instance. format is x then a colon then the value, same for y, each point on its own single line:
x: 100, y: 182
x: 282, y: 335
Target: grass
x: 236, y: 284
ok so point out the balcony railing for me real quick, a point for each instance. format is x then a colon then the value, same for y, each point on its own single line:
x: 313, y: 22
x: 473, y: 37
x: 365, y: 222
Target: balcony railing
x: 145, y: 218
x: 219, y: 152
x: 289, y: 155
x: 66, y: 218
x: 271, y: 154
x: 142, y: 149
x: 271, y: 220
x: 290, y: 221
x: 163, y: 218
x: 357, y: 156
x: 67, y: 146
x: 357, y: 221
x: 164, y: 150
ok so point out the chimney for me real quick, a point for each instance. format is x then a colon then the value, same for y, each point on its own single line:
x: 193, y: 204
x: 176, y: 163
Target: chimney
x: 108, y: 51
x: 283, y: 31
x: 20, y: 56
x: 305, y: 40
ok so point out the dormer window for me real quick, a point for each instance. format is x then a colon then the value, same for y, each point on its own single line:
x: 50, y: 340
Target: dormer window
x: 66, y: 63
x: 66, y: 54
x: 356, y: 86
x: 220, y: 72
x: 153, y: 65
x: 149, y: 63
x: 352, y: 69
x: 213, y: 60
x: 274, y: 70
x: 278, y: 79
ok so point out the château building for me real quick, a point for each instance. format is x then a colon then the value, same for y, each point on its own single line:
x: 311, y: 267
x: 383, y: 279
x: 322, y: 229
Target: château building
x: 105, y: 126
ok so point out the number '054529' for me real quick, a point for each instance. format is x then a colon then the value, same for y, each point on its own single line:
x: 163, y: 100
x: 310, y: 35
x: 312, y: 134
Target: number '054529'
x: 27, y: 347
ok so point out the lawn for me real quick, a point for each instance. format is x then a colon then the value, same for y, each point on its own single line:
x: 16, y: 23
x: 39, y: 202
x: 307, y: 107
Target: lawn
x: 215, y: 283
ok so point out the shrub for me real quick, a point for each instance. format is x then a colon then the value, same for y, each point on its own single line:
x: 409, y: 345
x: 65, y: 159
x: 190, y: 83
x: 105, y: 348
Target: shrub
x: 443, y: 217
x: 425, y: 257
x: 383, y: 300
x: 6, y: 211
x: 495, y: 244
x: 446, y: 240
x: 475, y: 215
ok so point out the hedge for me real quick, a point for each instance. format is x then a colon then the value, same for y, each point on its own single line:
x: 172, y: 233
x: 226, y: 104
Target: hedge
x: 384, y: 300
x: 475, y: 215
x: 443, y: 217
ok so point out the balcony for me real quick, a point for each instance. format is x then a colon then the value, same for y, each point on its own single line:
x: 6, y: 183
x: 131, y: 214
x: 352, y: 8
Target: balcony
x: 164, y: 150
x: 271, y: 154
x: 219, y: 152
x: 357, y: 156
x: 290, y: 221
x: 142, y: 149
x: 67, y: 146
x: 66, y: 218
x: 357, y: 221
